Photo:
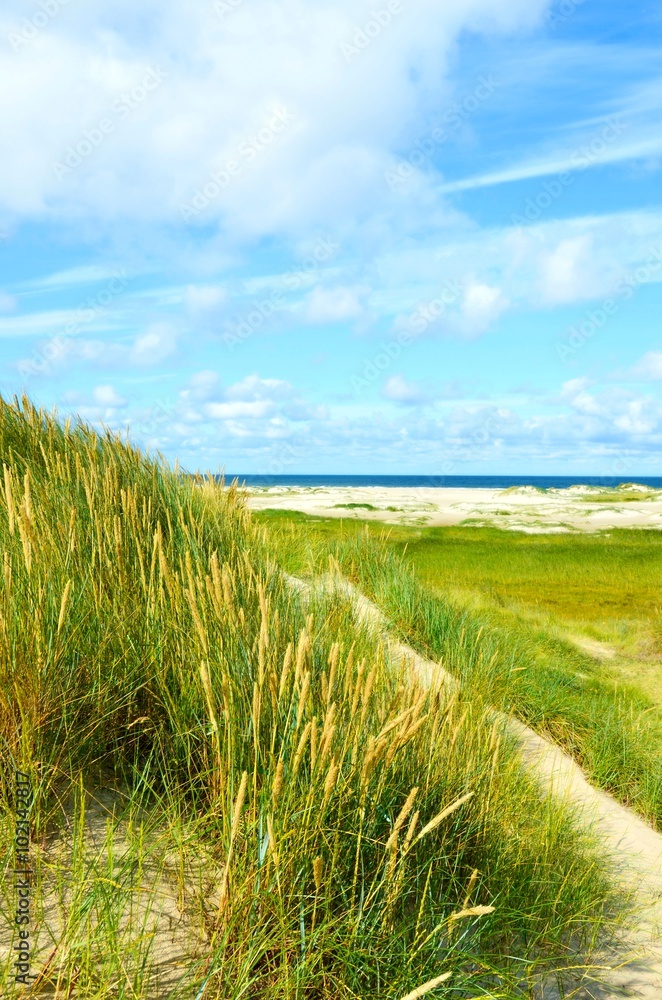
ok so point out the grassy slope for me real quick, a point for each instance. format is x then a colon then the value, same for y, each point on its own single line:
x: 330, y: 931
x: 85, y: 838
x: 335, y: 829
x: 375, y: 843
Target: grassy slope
x: 146, y: 634
x: 501, y: 609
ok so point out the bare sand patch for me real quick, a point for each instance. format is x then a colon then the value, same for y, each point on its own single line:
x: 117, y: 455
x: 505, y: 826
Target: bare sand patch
x: 578, y: 508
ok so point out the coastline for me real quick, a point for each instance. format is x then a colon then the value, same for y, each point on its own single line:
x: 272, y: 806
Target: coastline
x: 525, y: 508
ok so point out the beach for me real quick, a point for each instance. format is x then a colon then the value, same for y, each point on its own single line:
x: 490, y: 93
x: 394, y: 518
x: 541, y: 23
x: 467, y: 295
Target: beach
x: 522, y: 508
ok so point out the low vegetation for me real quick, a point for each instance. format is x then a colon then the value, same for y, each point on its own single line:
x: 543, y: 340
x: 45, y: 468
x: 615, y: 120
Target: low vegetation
x: 356, y: 506
x: 315, y: 824
x: 503, y: 610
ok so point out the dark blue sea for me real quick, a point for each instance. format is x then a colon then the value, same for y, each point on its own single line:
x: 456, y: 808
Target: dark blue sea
x: 476, y: 482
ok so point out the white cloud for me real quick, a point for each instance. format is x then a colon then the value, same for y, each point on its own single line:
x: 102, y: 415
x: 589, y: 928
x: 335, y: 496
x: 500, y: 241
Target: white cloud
x: 398, y: 389
x: 134, y: 153
x: 638, y: 418
x: 254, y: 387
x: 153, y: 346
x: 202, y: 386
x: 598, y: 142
x: 230, y: 411
x: 201, y: 298
x: 482, y: 305
x: 267, y: 425
x: 8, y: 303
x: 649, y: 367
x: 105, y: 395
x: 85, y: 274
x: 331, y: 305
x: 567, y: 272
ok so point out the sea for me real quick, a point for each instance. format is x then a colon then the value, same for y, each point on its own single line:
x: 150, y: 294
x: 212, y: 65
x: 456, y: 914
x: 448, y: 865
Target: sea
x: 447, y: 482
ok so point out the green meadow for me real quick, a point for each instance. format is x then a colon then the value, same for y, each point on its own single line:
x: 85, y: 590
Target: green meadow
x: 564, y: 630
x: 236, y: 793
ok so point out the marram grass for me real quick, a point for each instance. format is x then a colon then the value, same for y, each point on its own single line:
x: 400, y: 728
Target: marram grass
x: 309, y: 822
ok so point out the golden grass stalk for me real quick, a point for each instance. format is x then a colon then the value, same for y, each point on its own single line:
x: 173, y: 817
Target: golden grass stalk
x: 302, y: 649
x: 334, y: 656
x: 7, y: 572
x: 227, y: 585
x: 9, y: 500
x: 287, y: 662
x: 27, y: 500
x: 318, y: 868
x: 196, y: 619
x: 470, y: 888
x: 278, y: 782
x: 206, y: 684
x: 25, y: 540
x: 440, y: 817
x: 471, y: 911
x: 303, y: 698
x: 402, y: 816
x: 432, y: 984
x: 236, y: 819
x: 63, y: 606
x: 329, y: 784
x: 313, y: 743
x: 410, y: 831
x: 300, y: 749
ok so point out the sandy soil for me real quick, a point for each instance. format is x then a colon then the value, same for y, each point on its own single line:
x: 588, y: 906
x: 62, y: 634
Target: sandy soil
x: 522, y: 509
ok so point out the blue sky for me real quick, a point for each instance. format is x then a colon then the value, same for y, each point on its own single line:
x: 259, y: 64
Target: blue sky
x: 280, y: 237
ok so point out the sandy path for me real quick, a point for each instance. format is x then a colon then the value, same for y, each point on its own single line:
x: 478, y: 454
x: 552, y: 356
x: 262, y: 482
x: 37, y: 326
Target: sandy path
x: 633, y: 967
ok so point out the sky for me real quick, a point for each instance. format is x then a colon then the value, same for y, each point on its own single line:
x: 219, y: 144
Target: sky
x: 285, y: 237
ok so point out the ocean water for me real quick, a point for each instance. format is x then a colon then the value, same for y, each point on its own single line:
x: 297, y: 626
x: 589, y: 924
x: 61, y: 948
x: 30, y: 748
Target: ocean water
x: 475, y: 482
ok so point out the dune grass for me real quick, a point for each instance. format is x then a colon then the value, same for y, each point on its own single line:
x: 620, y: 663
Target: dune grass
x: 309, y: 822
x: 621, y: 496
x: 489, y: 603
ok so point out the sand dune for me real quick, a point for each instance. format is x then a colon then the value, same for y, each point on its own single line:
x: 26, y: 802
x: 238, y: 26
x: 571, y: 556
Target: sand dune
x: 578, y: 508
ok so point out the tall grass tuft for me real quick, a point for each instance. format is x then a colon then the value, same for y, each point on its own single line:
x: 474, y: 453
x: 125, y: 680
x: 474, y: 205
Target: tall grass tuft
x: 313, y: 823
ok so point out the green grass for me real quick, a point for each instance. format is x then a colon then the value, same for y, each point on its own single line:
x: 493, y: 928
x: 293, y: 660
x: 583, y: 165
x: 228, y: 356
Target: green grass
x: 274, y: 777
x: 619, y: 496
x: 356, y: 506
x: 585, y: 579
x: 502, y: 609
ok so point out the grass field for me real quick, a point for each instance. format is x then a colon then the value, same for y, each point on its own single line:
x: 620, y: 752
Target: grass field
x: 314, y: 824
x: 564, y: 630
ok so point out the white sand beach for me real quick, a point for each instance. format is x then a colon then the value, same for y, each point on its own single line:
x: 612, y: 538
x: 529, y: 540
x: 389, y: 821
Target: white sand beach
x: 523, y: 508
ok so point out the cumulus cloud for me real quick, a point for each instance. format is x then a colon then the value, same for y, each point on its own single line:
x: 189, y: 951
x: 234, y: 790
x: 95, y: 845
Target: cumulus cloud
x: 649, y: 367
x: 331, y: 305
x: 103, y: 404
x: 482, y: 305
x: 105, y: 395
x: 254, y: 387
x: 252, y: 407
x: 153, y: 346
x: 229, y: 411
x: 399, y: 390
x: 567, y: 271
x: 150, y: 132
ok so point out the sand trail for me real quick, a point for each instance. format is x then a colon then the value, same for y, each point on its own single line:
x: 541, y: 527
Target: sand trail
x: 631, y: 967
